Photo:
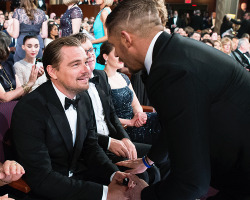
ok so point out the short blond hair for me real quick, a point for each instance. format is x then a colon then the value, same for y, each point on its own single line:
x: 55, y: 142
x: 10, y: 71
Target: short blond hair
x: 68, y: 2
x: 108, y: 2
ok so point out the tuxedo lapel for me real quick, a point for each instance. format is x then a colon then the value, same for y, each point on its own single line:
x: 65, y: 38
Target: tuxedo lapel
x: 81, y: 131
x: 59, y: 116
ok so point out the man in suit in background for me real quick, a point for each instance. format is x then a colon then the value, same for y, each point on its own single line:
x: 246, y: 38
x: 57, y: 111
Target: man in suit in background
x: 202, y: 98
x: 196, y: 20
x: 54, y: 133
x: 240, y: 53
x: 175, y: 22
x: 244, y: 25
x: 242, y: 11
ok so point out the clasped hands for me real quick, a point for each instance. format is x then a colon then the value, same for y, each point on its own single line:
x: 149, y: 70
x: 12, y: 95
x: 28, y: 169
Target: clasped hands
x: 139, y: 119
x: 116, y: 189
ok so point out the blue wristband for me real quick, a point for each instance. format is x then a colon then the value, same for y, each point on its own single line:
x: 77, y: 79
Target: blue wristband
x: 145, y: 162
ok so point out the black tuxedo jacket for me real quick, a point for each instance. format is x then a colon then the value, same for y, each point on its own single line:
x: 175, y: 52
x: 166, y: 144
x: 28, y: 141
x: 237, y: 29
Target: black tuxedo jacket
x: 196, y: 22
x: 43, y: 140
x: 244, y: 27
x: 239, y: 56
x: 179, y: 23
x: 115, y: 128
x: 202, y: 98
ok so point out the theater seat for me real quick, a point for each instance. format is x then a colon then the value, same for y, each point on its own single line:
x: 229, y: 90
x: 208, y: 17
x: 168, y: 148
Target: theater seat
x: 6, y: 110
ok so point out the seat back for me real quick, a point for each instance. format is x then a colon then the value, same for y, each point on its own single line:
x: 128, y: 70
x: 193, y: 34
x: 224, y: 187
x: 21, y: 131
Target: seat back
x: 6, y: 110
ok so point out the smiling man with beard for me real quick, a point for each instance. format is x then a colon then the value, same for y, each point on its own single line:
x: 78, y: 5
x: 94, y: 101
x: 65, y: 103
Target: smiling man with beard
x: 54, y: 133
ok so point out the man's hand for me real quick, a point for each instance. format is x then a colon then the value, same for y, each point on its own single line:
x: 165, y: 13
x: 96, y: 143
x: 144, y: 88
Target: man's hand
x: 5, y: 197
x: 134, y: 193
x: 10, y: 171
x: 118, y: 148
x: 137, y: 166
x: 131, y: 148
x: 116, y: 190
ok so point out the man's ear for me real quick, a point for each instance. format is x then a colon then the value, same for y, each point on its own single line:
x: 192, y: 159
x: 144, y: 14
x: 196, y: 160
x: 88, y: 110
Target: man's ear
x: 51, y: 71
x: 23, y: 47
x: 126, y: 39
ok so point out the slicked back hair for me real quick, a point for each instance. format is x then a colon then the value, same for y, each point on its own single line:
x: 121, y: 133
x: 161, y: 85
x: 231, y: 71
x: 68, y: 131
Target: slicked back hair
x: 52, y: 53
x: 135, y: 16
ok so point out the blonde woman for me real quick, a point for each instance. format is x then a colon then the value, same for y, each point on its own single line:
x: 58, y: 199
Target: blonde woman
x: 71, y: 20
x: 227, y: 45
x: 27, y: 19
x: 100, y: 30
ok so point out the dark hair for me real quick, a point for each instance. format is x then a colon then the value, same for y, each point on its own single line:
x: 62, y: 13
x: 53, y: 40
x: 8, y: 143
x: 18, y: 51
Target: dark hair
x: 5, y: 41
x: 208, y: 41
x: 27, y: 37
x: 143, y: 14
x: 106, y: 48
x: 50, y: 27
x: 52, y: 53
x: 82, y: 37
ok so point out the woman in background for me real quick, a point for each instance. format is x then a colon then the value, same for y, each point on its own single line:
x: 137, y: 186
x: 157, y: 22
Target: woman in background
x: 10, y: 87
x: 100, y: 30
x: 142, y: 127
x: 71, y: 20
x: 227, y: 45
x: 27, y: 19
x: 52, y: 33
x: 23, y: 67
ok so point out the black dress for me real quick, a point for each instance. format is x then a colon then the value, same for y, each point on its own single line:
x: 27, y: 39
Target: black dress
x: 7, y: 77
x: 122, y: 99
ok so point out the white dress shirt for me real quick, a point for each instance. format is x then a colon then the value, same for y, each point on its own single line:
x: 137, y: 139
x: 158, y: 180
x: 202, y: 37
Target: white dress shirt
x: 175, y: 20
x: 71, y: 115
x: 149, y: 56
x: 101, y: 125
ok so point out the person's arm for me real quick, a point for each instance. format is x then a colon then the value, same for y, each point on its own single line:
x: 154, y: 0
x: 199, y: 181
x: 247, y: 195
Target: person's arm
x: 13, y: 28
x: 44, y: 32
x: 20, y: 90
x: 135, y: 103
x: 137, y: 110
x: 104, y: 16
x: 76, y: 24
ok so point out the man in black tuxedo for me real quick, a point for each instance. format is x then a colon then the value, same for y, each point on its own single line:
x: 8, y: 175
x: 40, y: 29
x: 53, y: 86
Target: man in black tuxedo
x: 240, y: 53
x: 196, y: 20
x: 175, y: 22
x: 244, y: 25
x: 54, y: 133
x: 202, y: 98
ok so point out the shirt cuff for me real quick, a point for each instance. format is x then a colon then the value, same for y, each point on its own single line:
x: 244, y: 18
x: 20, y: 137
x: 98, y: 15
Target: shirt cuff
x: 111, y: 177
x: 109, y: 143
x: 105, y: 192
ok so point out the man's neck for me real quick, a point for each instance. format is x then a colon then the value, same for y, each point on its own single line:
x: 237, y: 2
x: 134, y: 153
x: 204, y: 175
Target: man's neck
x: 63, y: 90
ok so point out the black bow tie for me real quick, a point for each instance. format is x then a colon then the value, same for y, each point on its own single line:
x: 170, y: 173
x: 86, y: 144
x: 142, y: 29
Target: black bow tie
x: 69, y: 102
x: 94, y: 80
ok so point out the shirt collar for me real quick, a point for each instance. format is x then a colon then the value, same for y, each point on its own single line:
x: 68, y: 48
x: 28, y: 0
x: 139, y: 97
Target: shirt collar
x: 149, y: 56
x: 60, y: 95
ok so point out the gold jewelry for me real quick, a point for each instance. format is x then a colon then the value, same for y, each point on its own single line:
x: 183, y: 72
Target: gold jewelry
x: 26, y: 88
x: 8, y: 81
